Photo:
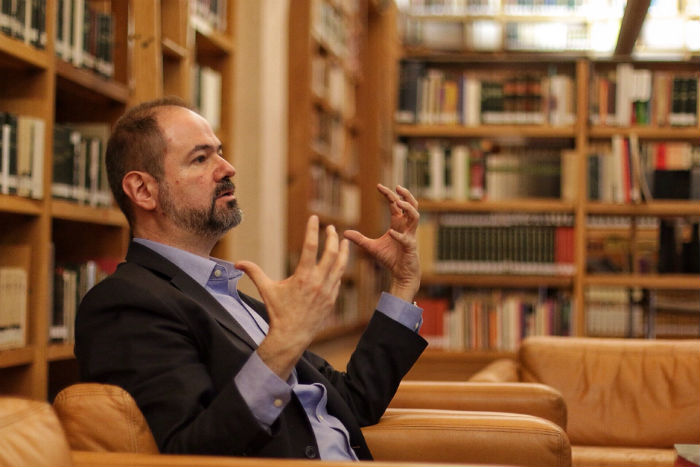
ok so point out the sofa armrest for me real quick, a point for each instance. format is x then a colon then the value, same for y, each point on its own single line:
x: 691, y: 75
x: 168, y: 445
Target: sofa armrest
x: 426, y: 435
x: 502, y: 370
x: 131, y: 459
x: 524, y: 398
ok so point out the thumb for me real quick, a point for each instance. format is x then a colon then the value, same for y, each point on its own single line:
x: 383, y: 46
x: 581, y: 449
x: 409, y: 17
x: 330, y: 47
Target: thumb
x: 356, y: 237
x: 255, y: 272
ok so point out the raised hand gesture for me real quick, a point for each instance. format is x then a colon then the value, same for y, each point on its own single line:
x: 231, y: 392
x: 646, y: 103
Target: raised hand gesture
x: 298, y: 305
x: 397, y: 248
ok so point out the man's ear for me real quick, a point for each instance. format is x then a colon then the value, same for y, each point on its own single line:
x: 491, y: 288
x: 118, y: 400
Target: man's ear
x: 142, y: 189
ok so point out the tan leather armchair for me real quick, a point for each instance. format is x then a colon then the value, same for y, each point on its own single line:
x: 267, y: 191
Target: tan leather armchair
x: 534, y: 399
x: 99, y: 417
x: 628, y: 400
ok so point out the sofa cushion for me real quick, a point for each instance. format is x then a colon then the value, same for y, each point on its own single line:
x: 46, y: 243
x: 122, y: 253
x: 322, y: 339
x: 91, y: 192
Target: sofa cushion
x: 604, y: 456
x: 621, y: 392
x: 30, y: 434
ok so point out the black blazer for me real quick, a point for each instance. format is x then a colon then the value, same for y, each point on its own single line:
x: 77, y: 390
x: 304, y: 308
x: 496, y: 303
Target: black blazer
x: 154, y: 331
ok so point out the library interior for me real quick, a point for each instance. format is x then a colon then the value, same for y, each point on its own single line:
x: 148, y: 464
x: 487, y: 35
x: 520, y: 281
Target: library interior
x: 553, y: 147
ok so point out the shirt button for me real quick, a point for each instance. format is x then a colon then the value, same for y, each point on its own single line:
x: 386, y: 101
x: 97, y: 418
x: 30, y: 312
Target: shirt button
x: 320, y: 417
x: 217, y: 272
x: 415, y: 327
x: 278, y: 403
x: 310, y: 452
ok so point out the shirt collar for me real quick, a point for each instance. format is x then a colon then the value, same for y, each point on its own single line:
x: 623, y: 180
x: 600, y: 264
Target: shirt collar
x: 197, y: 267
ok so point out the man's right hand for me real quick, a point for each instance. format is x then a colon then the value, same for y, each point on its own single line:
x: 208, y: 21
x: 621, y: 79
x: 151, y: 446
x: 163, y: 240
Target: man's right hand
x: 298, y: 305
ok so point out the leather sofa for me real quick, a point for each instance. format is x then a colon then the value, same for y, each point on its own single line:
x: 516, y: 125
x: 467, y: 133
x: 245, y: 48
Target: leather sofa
x: 628, y: 400
x: 99, y: 418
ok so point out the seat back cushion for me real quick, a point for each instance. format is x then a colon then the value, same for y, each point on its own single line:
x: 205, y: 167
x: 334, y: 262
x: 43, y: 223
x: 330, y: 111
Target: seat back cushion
x: 30, y: 434
x: 621, y: 392
x: 102, y: 417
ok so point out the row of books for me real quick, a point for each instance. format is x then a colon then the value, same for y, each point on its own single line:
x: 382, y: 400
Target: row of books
x: 477, y: 170
x: 206, y: 93
x: 627, y: 171
x: 335, y: 25
x: 79, y: 172
x: 493, y: 319
x: 620, y: 251
x: 85, y: 35
x: 460, y: 97
x: 15, y: 261
x: 21, y: 155
x: 212, y: 12
x: 24, y: 20
x: 333, y: 86
x: 495, y: 243
x: 511, y: 7
x: 71, y: 281
x: 329, y: 134
x: 331, y: 195
x: 613, y: 311
x: 637, y: 96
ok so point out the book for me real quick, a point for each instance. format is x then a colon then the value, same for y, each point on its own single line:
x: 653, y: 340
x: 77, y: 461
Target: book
x: 15, y: 263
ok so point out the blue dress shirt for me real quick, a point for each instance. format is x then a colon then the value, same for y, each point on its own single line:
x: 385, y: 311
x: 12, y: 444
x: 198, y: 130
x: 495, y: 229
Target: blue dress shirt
x: 265, y: 393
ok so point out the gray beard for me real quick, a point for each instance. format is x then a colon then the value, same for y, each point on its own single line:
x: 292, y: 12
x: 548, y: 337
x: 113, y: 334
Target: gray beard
x: 209, y: 223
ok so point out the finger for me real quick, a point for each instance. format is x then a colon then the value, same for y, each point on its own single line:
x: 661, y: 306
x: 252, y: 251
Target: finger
x: 309, y: 250
x: 410, y: 212
x: 256, y: 274
x: 392, y: 197
x: 407, y: 195
x: 330, y: 252
x: 407, y: 241
x: 341, y: 262
x: 357, y: 238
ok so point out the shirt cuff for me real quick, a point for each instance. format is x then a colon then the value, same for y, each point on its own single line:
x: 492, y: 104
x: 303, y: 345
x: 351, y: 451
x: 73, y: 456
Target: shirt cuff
x: 401, y: 311
x: 265, y: 393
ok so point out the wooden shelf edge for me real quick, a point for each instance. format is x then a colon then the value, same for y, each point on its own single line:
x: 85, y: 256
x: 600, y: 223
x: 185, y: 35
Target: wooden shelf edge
x: 649, y: 281
x: 515, y: 205
x: 653, y: 208
x: 16, y: 357
x: 70, y: 211
x: 173, y: 49
x: 62, y: 351
x: 20, y: 205
x: 460, y: 131
x: 645, y: 132
x: 209, y: 40
x: 21, y: 54
x: 497, y: 280
x: 91, y: 81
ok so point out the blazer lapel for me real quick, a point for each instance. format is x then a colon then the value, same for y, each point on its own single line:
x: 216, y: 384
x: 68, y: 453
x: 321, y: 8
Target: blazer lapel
x: 149, y: 259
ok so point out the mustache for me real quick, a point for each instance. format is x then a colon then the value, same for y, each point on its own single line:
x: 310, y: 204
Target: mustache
x: 224, y: 186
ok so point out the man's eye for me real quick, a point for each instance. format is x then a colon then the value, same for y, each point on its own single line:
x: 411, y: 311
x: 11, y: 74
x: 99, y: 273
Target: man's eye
x: 200, y: 159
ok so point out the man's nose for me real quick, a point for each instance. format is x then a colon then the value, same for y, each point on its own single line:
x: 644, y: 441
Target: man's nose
x: 225, y: 169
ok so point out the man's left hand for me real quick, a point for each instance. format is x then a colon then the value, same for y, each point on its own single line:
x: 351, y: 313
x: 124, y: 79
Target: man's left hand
x: 397, y: 248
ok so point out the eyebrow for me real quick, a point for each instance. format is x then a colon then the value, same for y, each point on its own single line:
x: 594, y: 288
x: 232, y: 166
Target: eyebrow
x: 207, y: 148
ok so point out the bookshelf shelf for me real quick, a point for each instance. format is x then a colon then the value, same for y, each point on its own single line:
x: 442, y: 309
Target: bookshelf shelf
x: 17, y: 54
x: 58, y: 352
x: 89, y: 84
x: 20, y: 205
x: 653, y: 208
x: 173, y: 50
x: 500, y: 281
x: 646, y: 132
x: 16, y: 357
x: 70, y: 211
x: 456, y: 131
x: 514, y: 205
x: 210, y: 42
x: 653, y: 281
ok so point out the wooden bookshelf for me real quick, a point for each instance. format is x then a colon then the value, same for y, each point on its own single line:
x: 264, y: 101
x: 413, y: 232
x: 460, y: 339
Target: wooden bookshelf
x: 581, y: 135
x: 38, y: 83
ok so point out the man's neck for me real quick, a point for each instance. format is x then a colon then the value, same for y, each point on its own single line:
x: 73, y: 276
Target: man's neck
x: 200, y: 246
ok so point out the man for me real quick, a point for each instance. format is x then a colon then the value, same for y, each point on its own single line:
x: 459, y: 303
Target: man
x: 213, y: 370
